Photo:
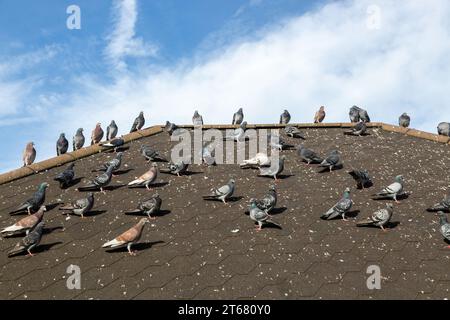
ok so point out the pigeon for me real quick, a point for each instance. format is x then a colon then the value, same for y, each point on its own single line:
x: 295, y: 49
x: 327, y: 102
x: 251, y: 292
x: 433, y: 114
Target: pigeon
x: 260, y: 216
x: 269, y: 201
x: 66, y: 177
x: 320, y: 115
x: 379, y: 218
x: 99, y: 182
x: 78, y: 140
x: 238, y: 117
x: 340, y: 208
x: 276, y: 142
x: 62, y: 145
x: 361, y: 177
x: 148, y: 207
x: 223, y: 193
x: 239, y: 133
x: 25, y: 225
x: 391, y: 191
x: 404, y: 120
x: 358, y: 130
x: 29, y: 154
x: 30, y: 241
x: 111, y: 131
x: 364, y: 116
x: 259, y: 160
x: 332, y: 160
x: 444, y: 226
x: 197, y: 119
x: 129, y: 237
x: 293, y: 132
x: 285, y: 117
x: 81, y: 206
x: 151, y: 154
x: 35, y: 202
x: 170, y: 128
x: 147, y: 178
x: 274, y: 170
x: 444, y: 129
x: 114, y: 143
x: 97, y: 134
x: 176, y: 168
x: 308, y: 155
x: 115, y: 163
x: 444, y: 205
x: 207, y: 153
x: 354, y: 114
x: 138, y: 122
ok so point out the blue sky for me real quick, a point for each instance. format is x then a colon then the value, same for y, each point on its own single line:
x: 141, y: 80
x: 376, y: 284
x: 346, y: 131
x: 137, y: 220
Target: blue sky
x: 170, y: 57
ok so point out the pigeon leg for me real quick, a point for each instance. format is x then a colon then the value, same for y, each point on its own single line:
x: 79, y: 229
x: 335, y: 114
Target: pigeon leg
x: 29, y: 253
x: 343, y: 217
x: 102, y: 190
x: 382, y: 228
x: 447, y: 247
x: 132, y: 253
x: 178, y: 174
x: 151, y: 218
x: 29, y: 211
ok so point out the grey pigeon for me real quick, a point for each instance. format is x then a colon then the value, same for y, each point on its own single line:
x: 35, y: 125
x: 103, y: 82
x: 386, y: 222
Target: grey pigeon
x: 331, y: 161
x: 223, y: 193
x: 444, y: 226
x: 81, y: 206
x: 358, y: 130
x: 293, y: 132
x: 269, y: 201
x: 97, y: 134
x: 444, y: 205
x: 171, y: 128
x: 320, y: 115
x: 29, y: 154
x: 114, y: 143
x: 276, y: 142
x: 35, y: 202
x: 238, y: 134
x: 238, y: 117
x: 285, y: 117
x: 115, y: 163
x: 111, y: 130
x: 208, y: 153
x: 361, y: 177
x: 340, y: 208
x: 177, y: 168
x: 392, y: 191
x: 129, y: 237
x: 444, y: 129
x: 379, y: 218
x: 364, y: 116
x: 24, y: 225
x: 404, y: 120
x: 148, y: 207
x: 99, y: 182
x: 138, y: 122
x: 274, y: 170
x: 78, y: 140
x: 147, y: 178
x: 30, y: 241
x: 62, y: 145
x: 260, y: 216
x: 151, y: 154
x: 66, y: 177
x: 308, y: 155
x: 354, y: 114
x: 197, y: 119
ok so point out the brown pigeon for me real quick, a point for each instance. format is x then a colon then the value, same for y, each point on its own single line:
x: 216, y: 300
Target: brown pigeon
x: 97, y: 134
x: 129, y: 237
x: 29, y: 154
x: 320, y: 115
x: 25, y: 224
x: 147, y: 178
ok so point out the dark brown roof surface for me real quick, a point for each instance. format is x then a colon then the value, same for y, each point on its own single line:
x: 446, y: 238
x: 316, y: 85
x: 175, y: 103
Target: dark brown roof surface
x: 191, y: 252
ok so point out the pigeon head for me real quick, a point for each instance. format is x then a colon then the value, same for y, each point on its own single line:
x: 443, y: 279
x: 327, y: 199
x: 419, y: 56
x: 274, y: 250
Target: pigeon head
x: 71, y: 165
x: 43, y: 186
x: 39, y: 227
x: 154, y: 165
x: 90, y: 195
x: 80, y: 130
x: 272, y: 187
x: 321, y: 108
x: 334, y: 152
x: 155, y: 196
x: 286, y: 112
x: 347, y: 191
x: 62, y: 135
x: 43, y: 208
x: 196, y: 113
x: 399, y: 178
x: 243, y: 125
x: 240, y: 110
x: 119, y: 155
x: 112, y: 123
x: 98, y: 125
x: 389, y: 206
x: 232, y: 181
x: 141, y: 114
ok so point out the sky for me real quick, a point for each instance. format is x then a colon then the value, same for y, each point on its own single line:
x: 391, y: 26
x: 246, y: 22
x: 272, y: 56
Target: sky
x: 171, y: 57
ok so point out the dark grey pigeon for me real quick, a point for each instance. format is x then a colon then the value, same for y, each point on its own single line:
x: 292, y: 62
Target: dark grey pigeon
x: 358, y: 130
x: 62, y: 144
x: 444, y: 129
x: 148, y: 207
x: 444, y: 226
x: 151, y: 154
x: 293, y: 132
x: 81, y: 206
x: 340, y: 208
x: 111, y: 130
x: 308, y: 155
x: 66, y: 177
x: 78, y: 140
x: 379, y: 218
x: 364, y: 116
x: 114, y: 143
x: 404, y: 120
x: 331, y: 161
x: 99, y: 182
x: 178, y: 168
x: 260, y: 216
x: 361, y: 177
x: 444, y: 205
x: 116, y: 162
x: 29, y: 242
x: 138, y: 122
x: 197, y: 119
x: 269, y: 201
x: 285, y: 117
x: 238, y: 117
x: 354, y: 114
x: 35, y: 202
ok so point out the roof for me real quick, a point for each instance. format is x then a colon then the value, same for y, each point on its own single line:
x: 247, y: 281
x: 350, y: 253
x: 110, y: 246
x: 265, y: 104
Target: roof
x: 194, y: 251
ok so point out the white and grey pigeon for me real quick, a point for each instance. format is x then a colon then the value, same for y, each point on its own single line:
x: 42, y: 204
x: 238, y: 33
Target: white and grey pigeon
x: 238, y: 117
x: 444, y: 205
x: 359, y: 130
x: 331, y: 161
x: 138, y: 122
x: 285, y: 117
x: 35, y: 202
x: 30, y: 241
x: 404, y: 120
x: 260, y: 216
x: 361, y: 177
x: 99, y: 182
x: 340, y: 208
x: 66, y: 177
x: 223, y: 193
x: 111, y: 131
x: 392, y: 191
x: 294, y: 132
x: 177, y: 168
x: 197, y: 119
x: 151, y: 154
x: 24, y: 225
x: 81, y: 206
x: 238, y: 134
x: 444, y: 226
x: 78, y: 139
x: 62, y: 145
x: 444, y: 129
x: 115, y: 143
x: 148, y: 207
x: 129, y: 237
x: 379, y: 218
x: 274, y: 170
x: 269, y: 201
x: 308, y: 155
x: 259, y: 160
